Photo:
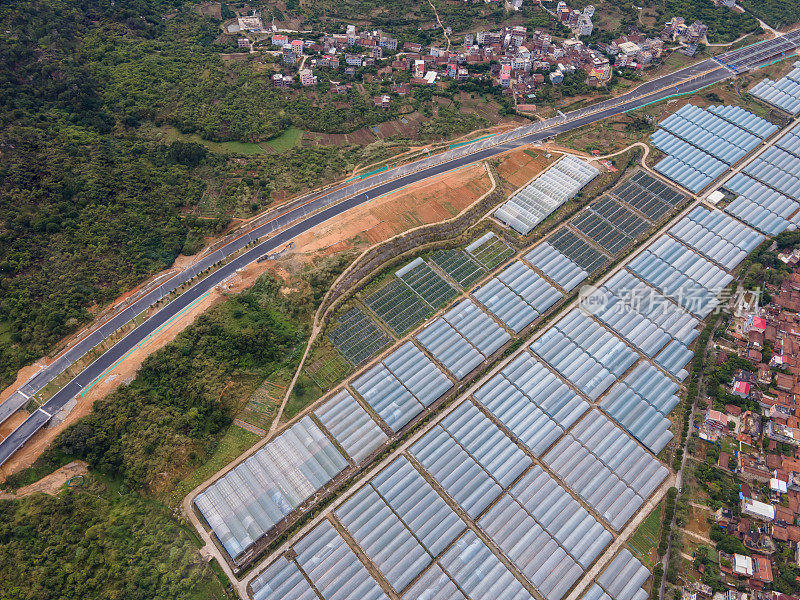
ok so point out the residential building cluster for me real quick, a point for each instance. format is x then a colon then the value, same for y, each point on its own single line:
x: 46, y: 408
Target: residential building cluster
x: 518, y: 60
x: 676, y: 30
x: 634, y: 51
x: 760, y: 447
x: 578, y: 21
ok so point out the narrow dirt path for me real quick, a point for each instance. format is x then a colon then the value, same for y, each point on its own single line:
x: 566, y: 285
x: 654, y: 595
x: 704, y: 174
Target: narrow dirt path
x: 438, y: 20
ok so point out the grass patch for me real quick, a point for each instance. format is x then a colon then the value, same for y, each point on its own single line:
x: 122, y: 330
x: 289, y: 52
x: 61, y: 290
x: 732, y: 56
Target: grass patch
x: 213, y: 588
x: 305, y: 392
x: 232, y: 444
x: 645, y: 539
x: 245, y: 148
x: 287, y: 140
x: 170, y: 134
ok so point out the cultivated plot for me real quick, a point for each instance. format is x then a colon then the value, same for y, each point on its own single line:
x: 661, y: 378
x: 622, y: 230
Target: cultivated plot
x: 610, y: 225
x: 399, y: 307
x: 651, y: 197
x: 490, y: 251
x: 577, y: 250
x: 459, y: 265
x: 419, y: 276
x: 357, y: 337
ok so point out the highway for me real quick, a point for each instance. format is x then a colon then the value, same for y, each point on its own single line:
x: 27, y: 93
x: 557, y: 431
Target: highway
x: 303, y: 214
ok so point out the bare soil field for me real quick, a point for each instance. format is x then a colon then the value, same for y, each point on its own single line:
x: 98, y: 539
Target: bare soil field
x: 50, y: 484
x: 520, y: 166
x: 431, y: 201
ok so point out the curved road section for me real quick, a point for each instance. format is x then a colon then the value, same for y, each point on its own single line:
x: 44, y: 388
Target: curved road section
x: 302, y: 215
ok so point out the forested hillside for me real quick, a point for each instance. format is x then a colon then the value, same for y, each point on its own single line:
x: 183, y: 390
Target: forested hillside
x: 117, y: 537
x: 97, y: 543
x: 724, y: 24
x: 775, y: 13
x: 89, y: 204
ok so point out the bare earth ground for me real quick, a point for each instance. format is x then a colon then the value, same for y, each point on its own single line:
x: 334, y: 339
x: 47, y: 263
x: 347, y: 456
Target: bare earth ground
x: 519, y: 166
x: 50, y: 484
x: 430, y: 201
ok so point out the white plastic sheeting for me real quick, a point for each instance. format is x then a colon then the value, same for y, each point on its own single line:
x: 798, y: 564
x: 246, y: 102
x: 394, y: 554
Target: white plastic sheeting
x: 450, y: 348
x: 701, y: 144
x: 416, y: 503
x: 624, y: 577
x: 387, y: 396
x: 759, y: 205
x: 557, y: 266
x: 783, y: 94
x: 778, y: 169
x: 517, y: 296
x: 402, y: 385
x: 681, y: 274
x: 534, y: 404
x: 249, y: 500
x: 350, y: 425
x: 333, y: 567
x: 463, y: 338
x: 533, y: 203
x: 745, y: 119
x: 640, y: 403
x: 434, y: 585
x: 584, y: 352
x: 563, y: 517
x: 532, y: 550
x: 476, y: 327
x: 477, y: 571
x: 718, y: 236
x: 711, y: 133
x: 674, y: 358
x: 606, y: 468
x: 522, y: 417
x: 383, y: 537
x: 457, y: 472
x: 644, y: 317
x: 470, y: 458
x: 418, y: 373
x: 655, y: 306
x: 282, y: 580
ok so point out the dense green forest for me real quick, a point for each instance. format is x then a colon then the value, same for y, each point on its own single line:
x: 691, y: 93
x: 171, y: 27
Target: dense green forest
x: 724, y: 24
x: 90, y: 202
x: 775, y: 13
x: 116, y: 539
x: 411, y: 21
x: 98, y: 543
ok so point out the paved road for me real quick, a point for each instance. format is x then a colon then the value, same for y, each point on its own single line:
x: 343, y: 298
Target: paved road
x: 306, y: 213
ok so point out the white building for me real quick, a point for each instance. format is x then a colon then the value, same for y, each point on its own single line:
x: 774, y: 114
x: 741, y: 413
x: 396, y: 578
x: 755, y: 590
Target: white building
x: 307, y: 77
x: 250, y: 23
x: 758, y: 510
x: 584, y: 27
x: 629, y: 48
x: 742, y: 565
